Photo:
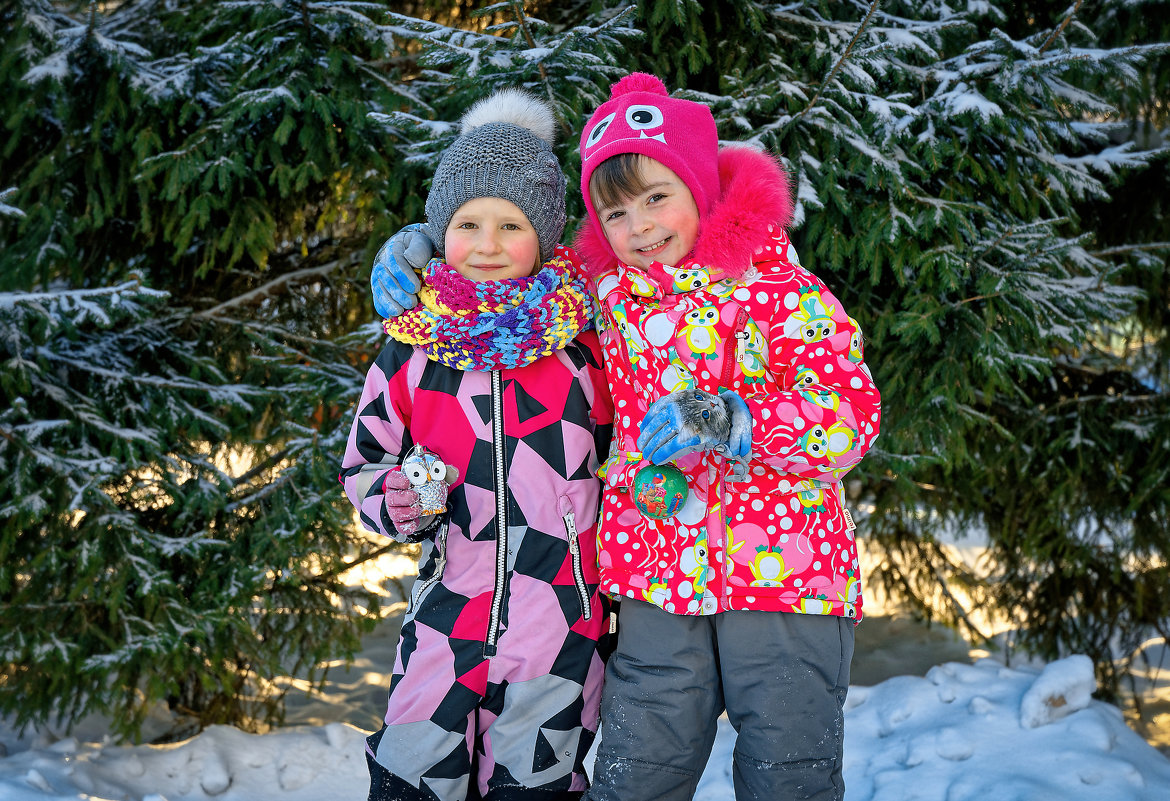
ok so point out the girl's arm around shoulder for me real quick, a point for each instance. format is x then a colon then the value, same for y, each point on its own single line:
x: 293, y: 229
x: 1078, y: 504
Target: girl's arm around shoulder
x: 601, y: 403
x: 573, y: 261
x: 825, y: 411
x: 597, y: 390
x: 380, y: 436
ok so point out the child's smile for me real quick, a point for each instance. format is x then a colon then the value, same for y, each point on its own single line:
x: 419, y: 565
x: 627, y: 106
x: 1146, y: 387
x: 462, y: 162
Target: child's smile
x: 660, y: 224
x: 649, y: 249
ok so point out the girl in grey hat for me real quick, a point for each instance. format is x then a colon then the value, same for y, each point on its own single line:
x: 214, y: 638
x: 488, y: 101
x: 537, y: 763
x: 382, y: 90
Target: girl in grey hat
x: 490, y: 394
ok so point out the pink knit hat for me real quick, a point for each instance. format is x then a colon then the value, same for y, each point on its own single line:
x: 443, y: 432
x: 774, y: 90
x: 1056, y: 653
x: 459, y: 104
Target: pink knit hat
x: 641, y: 117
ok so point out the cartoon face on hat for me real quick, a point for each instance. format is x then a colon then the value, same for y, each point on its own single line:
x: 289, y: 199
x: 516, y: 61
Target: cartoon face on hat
x: 641, y: 117
x: 639, y: 121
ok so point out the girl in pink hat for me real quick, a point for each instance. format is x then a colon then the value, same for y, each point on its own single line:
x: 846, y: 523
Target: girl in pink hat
x: 738, y: 369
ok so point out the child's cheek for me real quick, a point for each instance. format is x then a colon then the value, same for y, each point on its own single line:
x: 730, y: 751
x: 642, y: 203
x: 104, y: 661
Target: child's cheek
x: 525, y: 250
x: 456, y: 250
x: 617, y: 243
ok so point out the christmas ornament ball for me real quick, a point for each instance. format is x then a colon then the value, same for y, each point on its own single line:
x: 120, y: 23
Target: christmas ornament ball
x: 660, y: 491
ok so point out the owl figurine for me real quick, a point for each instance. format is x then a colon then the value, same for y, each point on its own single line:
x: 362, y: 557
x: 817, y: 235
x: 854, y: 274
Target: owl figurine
x: 429, y: 476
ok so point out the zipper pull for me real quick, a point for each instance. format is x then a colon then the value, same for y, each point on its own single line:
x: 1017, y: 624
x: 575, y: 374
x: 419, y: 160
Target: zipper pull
x: 739, y: 329
x: 741, y: 345
x: 571, y: 527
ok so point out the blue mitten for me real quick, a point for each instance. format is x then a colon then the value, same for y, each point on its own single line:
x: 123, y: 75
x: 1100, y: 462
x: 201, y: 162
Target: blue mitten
x: 692, y: 420
x: 394, y: 279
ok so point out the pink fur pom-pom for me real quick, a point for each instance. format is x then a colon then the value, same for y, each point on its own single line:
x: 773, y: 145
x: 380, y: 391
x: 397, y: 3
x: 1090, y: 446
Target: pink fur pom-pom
x: 638, y: 82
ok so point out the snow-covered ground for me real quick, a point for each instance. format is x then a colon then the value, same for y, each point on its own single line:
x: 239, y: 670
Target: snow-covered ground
x: 960, y: 732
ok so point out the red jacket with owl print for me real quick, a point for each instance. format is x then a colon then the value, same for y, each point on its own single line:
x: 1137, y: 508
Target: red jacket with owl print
x: 740, y: 313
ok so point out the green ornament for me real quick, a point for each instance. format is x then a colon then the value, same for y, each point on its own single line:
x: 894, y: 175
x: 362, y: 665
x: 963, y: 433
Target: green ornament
x: 660, y: 491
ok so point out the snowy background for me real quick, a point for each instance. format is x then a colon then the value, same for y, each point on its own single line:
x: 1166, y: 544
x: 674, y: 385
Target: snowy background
x: 968, y: 142
x: 962, y: 731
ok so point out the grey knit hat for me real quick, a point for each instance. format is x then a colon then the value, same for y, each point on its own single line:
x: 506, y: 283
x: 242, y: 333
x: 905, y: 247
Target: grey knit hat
x: 504, y: 150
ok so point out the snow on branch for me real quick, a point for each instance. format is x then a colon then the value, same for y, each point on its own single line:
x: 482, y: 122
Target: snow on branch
x: 1111, y: 159
x: 276, y: 286
x: 1060, y: 28
x: 844, y: 56
x: 5, y: 209
x: 71, y: 298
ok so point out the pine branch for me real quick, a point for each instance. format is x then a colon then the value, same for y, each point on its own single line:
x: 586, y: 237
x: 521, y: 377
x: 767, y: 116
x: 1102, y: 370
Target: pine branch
x: 522, y: 21
x: 955, y: 605
x: 989, y: 296
x: 873, y: 7
x: 346, y: 566
x: 268, y: 462
x: 260, y: 494
x: 1123, y: 249
x: 271, y: 288
x: 1128, y: 399
x: 306, y: 22
x: 277, y: 333
x: 1006, y: 233
x: 133, y: 284
x: 1060, y: 29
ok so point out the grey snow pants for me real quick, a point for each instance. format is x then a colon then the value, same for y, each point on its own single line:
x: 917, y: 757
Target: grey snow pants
x: 782, y: 678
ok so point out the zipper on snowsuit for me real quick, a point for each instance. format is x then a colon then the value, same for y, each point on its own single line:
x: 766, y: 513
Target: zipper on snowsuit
x: 420, y: 590
x: 499, y: 468
x: 739, y: 336
x: 578, y: 571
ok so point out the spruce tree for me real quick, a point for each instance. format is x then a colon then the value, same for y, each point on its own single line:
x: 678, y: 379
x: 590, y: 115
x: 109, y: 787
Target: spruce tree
x: 569, y: 61
x: 192, y: 193
x: 196, y: 182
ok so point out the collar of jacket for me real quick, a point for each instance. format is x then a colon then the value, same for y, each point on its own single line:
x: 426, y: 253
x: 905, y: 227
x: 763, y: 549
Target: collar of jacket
x: 657, y: 281
x: 755, y: 198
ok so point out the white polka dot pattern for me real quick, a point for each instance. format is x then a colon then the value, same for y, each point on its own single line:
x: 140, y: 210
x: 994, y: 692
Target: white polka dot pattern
x: 783, y: 342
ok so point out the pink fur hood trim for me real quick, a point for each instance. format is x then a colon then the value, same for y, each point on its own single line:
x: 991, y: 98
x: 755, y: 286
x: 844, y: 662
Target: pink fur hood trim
x: 754, y: 196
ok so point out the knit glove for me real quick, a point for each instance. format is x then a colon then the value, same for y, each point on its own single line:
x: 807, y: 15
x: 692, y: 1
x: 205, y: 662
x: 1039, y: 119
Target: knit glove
x: 691, y: 420
x: 403, y: 507
x: 394, y: 279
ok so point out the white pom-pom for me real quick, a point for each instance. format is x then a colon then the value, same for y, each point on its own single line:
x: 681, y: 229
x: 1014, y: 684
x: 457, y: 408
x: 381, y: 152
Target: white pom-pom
x: 514, y: 106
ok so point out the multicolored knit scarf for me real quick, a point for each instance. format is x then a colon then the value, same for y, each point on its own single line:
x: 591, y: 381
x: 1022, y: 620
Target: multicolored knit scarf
x: 488, y: 325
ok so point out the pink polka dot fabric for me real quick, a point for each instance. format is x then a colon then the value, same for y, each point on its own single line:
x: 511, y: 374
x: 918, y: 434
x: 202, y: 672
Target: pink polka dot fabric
x: 777, y: 336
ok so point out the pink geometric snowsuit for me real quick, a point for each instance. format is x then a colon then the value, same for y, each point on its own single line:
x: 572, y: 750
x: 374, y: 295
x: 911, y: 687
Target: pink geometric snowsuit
x: 497, y: 670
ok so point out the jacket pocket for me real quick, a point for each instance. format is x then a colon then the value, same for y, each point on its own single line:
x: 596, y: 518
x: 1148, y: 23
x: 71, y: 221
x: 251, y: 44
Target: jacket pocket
x: 564, y: 506
x: 424, y: 585
x: 794, y: 546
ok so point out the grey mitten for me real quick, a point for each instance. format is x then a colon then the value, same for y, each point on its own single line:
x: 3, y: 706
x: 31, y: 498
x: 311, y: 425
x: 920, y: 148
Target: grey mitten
x: 394, y: 279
